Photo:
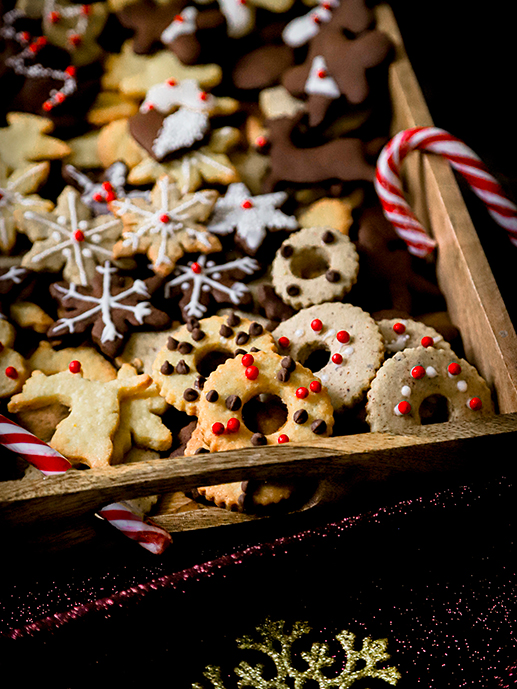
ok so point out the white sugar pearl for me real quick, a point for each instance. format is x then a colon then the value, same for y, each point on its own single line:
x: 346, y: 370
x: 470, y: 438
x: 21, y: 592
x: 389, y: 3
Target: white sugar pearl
x: 66, y: 252
x: 431, y: 372
x: 299, y: 333
x: 216, y: 276
x: 82, y: 225
x: 462, y: 385
x: 87, y: 253
x: 206, y: 288
x: 56, y: 236
x: 185, y: 285
x: 61, y: 219
x: 349, y: 351
x: 96, y: 238
x: 210, y: 264
x: 406, y: 391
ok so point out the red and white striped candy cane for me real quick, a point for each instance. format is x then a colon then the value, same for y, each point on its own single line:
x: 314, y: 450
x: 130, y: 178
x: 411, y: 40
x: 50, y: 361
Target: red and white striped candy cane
x: 388, y: 184
x: 51, y: 463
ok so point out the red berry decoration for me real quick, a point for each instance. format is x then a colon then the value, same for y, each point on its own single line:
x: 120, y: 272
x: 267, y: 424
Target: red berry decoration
x: 337, y: 358
x: 74, y: 366
x: 316, y: 325
x: 343, y: 337
x: 79, y: 236
x: 217, y: 428
x: 403, y: 408
x: 196, y: 268
x: 251, y: 372
x: 315, y: 386
x: 399, y: 328
x: 164, y: 218
x: 246, y: 204
x: 11, y: 372
x: 284, y: 342
x: 454, y: 369
x: 70, y: 71
x: 247, y: 359
x: 233, y: 425
x: 475, y: 403
x: 427, y: 341
x: 302, y: 393
x: 98, y: 197
x: 283, y: 438
x: 171, y: 82
x: 261, y: 141
x: 418, y: 372
x: 322, y: 74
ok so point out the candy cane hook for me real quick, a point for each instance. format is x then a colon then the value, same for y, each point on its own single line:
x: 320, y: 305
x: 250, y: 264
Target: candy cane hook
x: 388, y: 184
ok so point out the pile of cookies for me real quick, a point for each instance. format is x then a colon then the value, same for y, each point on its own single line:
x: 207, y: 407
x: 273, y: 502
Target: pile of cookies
x: 193, y: 258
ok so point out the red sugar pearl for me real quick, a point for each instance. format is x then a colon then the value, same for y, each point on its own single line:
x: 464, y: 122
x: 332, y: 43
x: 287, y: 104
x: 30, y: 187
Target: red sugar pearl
x: 179, y: 18
x: 251, y: 372
x: 233, y: 425
x: 475, y: 404
x: 427, y: 341
x: 98, y: 197
x: 302, y: 393
x: 321, y: 74
x: 343, y: 336
x: 284, y: 342
x: 316, y: 325
x: 70, y: 71
x: 79, y: 236
x: 75, y: 39
x: 283, y: 438
x: 217, y: 428
x: 171, y: 82
x: 247, y: 359
x: 74, y: 366
x: 418, y: 372
x: 11, y: 372
x: 54, y: 17
x: 246, y: 204
x: 261, y: 141
x: 454, y: 369
x: 399, y: 328
x: 403, y: 408
x: 196, y: 268
x: 337, y: 358
x: 315, y: 386
x: 164, y: 218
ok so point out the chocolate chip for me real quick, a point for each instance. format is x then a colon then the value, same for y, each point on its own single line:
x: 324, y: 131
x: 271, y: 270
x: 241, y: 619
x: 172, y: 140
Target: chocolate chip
x: 192, y: 323
x: 293, y: 290
x: 300, y: 416
x: 258, y: 439
x: 185, y: 347
x: 333, y: 275
x: 190, y: 394
x: 286, y: 251
x: 182, y: 367
x: 289, y: 363
x: 241, y: 338
x: 212, y: 396
x: 283, y: 375
x: 172, y: 344
x: 167, y: 368
x: 233, y: 320
x: 233, y: 402
x: 328, y: 237
x: 239, y: 351
x: 225, y: 331
x: 200, y: 382
x: 255, y: 329
x: 319, y: 426
x: 201, y: 451
x: 197, y: 334
x: 254, y: 349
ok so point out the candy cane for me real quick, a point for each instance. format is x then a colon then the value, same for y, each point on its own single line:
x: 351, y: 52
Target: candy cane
x: 51, y: 463
x: 388, y: 184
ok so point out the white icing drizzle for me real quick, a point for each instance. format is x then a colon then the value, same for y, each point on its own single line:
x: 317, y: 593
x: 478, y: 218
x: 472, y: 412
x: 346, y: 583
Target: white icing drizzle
x: 319, y: 82
x: 398, y: 344
x: 182, y: 25
x: 349, y: 351
x: 300, y: 30
x: 180, y: 130
x: 15, y: 274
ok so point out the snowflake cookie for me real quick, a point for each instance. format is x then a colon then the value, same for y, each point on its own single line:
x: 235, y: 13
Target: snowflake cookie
x: 167, y: 226
x: 69, y: 238
x: 108, y: 308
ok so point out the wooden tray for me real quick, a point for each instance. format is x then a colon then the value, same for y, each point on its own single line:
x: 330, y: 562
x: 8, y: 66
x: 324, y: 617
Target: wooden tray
x: 57, y: 511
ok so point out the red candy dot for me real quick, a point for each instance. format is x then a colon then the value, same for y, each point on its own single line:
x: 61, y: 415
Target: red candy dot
x: 79, y: 236
x: 217, y: 428
x: 315, y: 386
x: 316, y: 325
x: 399, y: 328
x: 171, y: 82
x: 427, y: 341
x: 321, y: 74
x: 196, y: 268
x: 54, y: 17
x: 110, y: 196
x: 337, y: 358
x: 418, y: 372
x: 70, y: 71
x: 74, y: 366
x: 251, y: 372
x: 283, y: 439
x: 475, y: 403
x: 261, y: 141
x: 246, y: 204
x: 247, y: 359
x: 98, y: 197
x: 233, y: 425
x: 11, y: 372
x: 454, y: 369
x: 164, y: 218
x: 343, y: 336
x: 284, y: 342
x: 179, y: 18
x: 302, y: 393
x: 404, y: 408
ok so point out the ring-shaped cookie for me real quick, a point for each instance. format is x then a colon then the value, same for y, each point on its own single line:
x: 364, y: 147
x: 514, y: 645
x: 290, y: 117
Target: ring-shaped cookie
x: 341, y: 343
x: 222, y: 412
x: 314, y: 265
x: 403, y: 333
x: 196, y: 348
x: 409, y: 378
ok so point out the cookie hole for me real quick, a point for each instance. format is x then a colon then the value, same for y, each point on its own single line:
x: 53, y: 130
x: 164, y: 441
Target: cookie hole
x: 264, y: 413
x: 309, y: 263
x: 434, y: 409
x: 210, y: 361
x: 314, y: 359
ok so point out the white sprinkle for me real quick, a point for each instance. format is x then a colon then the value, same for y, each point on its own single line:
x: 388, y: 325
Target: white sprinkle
x: 406, y: 391
x: 66, y: 252
x: 462, y: 385
x: 87, y: 253
x: 330, y: 333
x: 56, y: 236
x: 61, y: 220
x: 431, y: 372
x: 349, y: 351
x: 206, y: 288
x: 82, y: 225
x: 185, y: 286
x: 96, y: 238
x: 299, y: 333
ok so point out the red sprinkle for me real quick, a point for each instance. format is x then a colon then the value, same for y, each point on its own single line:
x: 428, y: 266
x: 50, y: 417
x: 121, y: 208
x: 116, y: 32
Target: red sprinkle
x: 217, y: 428
x: 284, y: 342
x: 196, y: 268
x: 164, y: 218
x: 251, y: 372
x: 337, y: 358
x: 246, y: 204
x: 247, y: 359
x: 74, y: 366
x: 316, y: 325
x: 427, y: 341
x: 343, y: 337
x: 283, y: 439
x: 454, y: 369
x: 315, y: 386
x: 399, y: 328
x: 404, y: 408
x: 98, y: 197
x: 475, y: 403
x: 47, y: 105
x: 233, y: 425
x: 79, y: 236
x: 418, y: 372
x: 302, y: 393
x: 11, y: 372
